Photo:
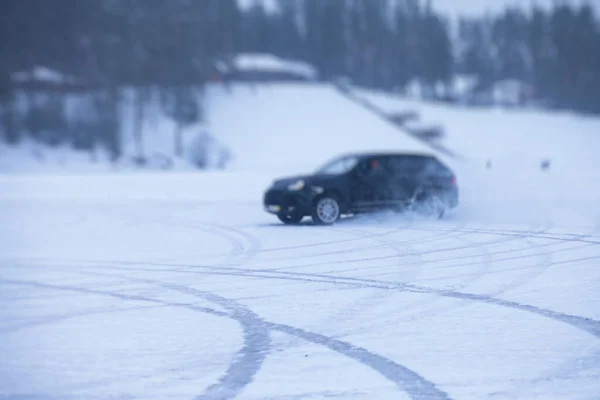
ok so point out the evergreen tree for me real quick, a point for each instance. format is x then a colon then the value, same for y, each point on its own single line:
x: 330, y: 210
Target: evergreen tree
x: 436, y: 60
x: 562, y: 22
x: 476, y: 50
x: 585, y: 61
x: 289, y: 41
x: 331, y: 47
x: 541, y: 50
x: 256, y: 28
x: 513, y: 60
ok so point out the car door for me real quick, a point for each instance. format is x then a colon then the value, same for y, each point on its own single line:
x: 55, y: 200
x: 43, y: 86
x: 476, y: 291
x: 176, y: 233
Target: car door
x: 369, y: 182
x: 404, y: 178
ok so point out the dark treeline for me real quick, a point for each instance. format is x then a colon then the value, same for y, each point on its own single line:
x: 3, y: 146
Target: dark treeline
x: 118, y: 41
x: 161, y: 42
x: 373, y: 43
x: 376, y: 43
x: 557, y: 51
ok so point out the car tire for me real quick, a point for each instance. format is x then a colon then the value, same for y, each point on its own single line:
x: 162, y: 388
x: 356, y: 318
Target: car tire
x: 326, y: 211
x: 293, y: 219
x: 433, y: 207
x: 439, y: 209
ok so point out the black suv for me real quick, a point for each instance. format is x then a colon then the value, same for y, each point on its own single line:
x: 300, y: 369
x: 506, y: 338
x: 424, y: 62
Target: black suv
x: 358, y: 183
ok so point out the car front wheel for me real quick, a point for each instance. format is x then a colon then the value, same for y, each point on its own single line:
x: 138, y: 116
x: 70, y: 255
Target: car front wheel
x: 293, y: 219
x: 326, y: 211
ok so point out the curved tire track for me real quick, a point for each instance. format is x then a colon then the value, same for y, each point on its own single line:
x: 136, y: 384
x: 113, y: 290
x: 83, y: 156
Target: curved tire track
x: 248, y: 359
x: 588, y: 325
x: 239, y: 375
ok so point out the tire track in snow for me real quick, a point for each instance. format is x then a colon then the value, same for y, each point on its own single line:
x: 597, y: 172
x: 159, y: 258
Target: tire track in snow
x: 545, y: 265
x: 470, y: 245
x: 483, y: 252
x: 538, y: 270
x: 405, y: 379
x: 378, y: 238
x: 486, y: 265
x: 244, y: 245
x: 588, y: 325
x: 365, y: 303
x: 402, y: 248
x: 534, y: 235
x: 417, y: 253
x: 237, y: 378
x: 249, y: 358
x: 53, y: 319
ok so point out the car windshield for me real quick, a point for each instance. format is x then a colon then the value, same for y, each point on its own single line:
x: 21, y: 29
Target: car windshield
x: 338, y: 166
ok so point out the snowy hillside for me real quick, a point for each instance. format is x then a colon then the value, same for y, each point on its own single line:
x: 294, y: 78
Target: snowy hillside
x: 295, y: 126
x: 513, y: 139
x: 281, y: 126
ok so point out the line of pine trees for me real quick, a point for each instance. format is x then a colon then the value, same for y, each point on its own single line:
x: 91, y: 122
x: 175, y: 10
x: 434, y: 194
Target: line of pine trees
x: 558, y: 51
x: 111, y: 43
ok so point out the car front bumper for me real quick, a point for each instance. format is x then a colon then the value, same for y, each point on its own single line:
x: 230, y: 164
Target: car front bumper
x: 285, y: 202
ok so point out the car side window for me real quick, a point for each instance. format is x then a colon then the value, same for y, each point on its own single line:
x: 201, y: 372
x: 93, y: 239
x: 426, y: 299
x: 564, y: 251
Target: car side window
x: 417, y: 166
x: 362, y: 169
x: 436, y: 168
x: 372, y: 168
x: 431, y: 167
x: 401, y: 166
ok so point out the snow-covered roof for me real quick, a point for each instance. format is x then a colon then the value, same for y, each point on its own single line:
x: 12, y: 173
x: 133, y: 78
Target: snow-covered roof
x: 42, y: 74
x: 271, y: 63
x: 464, y: 83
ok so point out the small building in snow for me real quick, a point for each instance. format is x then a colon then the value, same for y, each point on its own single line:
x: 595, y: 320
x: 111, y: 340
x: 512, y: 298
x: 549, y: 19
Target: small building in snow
x: 461, y: 88
x: 262, y: 67
x: 45, y: 79
x: 511, y: 92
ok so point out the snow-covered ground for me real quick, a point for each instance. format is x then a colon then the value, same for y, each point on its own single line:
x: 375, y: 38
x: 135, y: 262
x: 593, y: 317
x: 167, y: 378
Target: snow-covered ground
x: 179, y: 286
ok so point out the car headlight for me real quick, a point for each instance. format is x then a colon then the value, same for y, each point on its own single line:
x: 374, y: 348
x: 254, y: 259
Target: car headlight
x: 296, y: 186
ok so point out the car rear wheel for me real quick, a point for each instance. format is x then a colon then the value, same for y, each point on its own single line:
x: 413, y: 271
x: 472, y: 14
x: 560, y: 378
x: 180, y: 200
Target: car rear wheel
x: 292, y: 219
x: 433, y: 207
x: 326, y: 211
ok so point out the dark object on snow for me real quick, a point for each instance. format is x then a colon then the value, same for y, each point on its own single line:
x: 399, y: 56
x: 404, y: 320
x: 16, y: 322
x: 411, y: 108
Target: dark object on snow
x: 545, y: 165
x: 400, y: 118
x: 365, y: 182
x: 488, y: 164
x: 427, y: 133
